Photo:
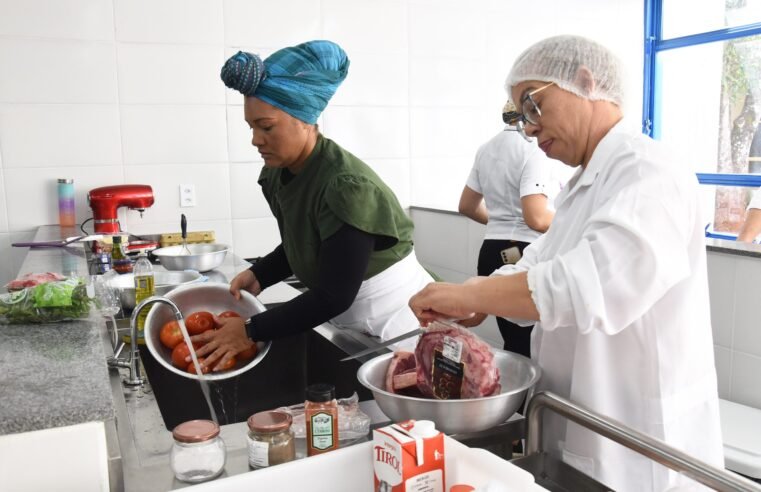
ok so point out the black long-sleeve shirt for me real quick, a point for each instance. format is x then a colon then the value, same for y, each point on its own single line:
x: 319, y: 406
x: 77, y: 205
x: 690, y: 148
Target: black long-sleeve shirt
x: 342, y: 263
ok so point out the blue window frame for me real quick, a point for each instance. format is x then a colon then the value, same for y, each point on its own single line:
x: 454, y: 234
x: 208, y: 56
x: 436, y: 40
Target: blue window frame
x: 654, y: 45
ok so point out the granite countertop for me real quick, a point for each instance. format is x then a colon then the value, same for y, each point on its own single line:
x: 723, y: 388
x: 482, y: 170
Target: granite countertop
x: 53, y: 375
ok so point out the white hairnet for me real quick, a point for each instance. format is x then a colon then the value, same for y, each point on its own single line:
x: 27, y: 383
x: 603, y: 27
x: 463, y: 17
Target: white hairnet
x: 558, y: 59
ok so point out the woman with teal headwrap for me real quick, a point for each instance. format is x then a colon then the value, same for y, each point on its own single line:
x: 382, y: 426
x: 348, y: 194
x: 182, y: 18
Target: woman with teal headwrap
x: 344, y: 233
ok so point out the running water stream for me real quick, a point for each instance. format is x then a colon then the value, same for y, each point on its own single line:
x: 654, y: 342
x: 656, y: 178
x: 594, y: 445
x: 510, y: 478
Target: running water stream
x: 199, y: 373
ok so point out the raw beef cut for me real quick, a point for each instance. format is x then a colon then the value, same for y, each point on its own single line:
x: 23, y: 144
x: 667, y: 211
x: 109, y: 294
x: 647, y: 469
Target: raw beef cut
x: 401, y: 372
x: 452, y: 362
x: 33, y: 279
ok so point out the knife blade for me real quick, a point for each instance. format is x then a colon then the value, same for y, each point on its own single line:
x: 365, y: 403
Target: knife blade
x: 385, y: 344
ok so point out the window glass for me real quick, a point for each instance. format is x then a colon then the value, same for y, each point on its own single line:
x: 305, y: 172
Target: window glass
x: 686, y: 17
x: 708, y: 109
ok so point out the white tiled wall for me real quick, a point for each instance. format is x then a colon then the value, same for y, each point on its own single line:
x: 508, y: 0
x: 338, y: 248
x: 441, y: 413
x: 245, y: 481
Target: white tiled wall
x: 448, y: 244
x: 117, y: 91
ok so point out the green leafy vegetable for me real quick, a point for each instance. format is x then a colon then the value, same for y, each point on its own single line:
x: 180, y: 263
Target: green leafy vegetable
x: 46, y: 303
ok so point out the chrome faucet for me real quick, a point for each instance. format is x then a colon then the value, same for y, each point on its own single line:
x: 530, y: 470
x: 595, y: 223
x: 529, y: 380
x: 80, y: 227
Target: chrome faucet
x: 134, y: 378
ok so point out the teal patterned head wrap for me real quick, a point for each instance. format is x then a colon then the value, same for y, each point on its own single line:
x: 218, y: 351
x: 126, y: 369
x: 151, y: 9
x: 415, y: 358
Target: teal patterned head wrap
x: 300, y: 80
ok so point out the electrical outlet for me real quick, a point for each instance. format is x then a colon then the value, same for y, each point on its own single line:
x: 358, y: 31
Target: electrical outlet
x: 187, y: 195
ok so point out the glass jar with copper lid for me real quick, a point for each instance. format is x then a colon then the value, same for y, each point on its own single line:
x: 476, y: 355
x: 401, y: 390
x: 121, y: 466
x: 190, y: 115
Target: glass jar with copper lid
x: 198, y: 453
x: 270, y: 440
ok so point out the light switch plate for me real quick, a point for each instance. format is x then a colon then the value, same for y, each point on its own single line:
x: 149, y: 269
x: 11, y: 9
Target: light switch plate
x: 187, y: 195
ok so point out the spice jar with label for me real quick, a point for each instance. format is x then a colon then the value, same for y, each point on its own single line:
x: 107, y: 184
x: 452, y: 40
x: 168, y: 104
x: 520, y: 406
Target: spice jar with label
x: 198, y: 453
x: 321, y: 414
x: 270, y: 439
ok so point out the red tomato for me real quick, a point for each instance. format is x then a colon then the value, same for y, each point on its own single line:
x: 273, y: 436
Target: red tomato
x: 171, y: 335
x: 228, y: 314
x: 229, y: 365
x: 180, y: 352
x: 249, y: 353
x: 199, y: 322
x: 192, y: 367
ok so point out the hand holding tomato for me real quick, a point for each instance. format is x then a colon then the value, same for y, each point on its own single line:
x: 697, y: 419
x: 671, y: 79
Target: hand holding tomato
x: 182, y: 352
x: 199, y: 322
x: 224, y: 343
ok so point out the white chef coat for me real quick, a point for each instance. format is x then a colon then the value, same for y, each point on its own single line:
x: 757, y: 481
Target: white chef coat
x: 620, y: 285
x: 506, y: 169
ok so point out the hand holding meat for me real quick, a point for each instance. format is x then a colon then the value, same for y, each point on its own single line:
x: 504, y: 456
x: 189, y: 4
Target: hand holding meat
x: 245, y: 280
x: 441, y: 301
x: 222, y: 344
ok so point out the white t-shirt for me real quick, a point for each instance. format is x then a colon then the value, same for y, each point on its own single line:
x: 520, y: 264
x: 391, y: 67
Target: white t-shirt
x: 506, y: 169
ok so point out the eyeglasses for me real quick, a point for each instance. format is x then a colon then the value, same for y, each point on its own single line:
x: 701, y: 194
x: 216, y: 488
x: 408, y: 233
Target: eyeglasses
x: 530, y: 113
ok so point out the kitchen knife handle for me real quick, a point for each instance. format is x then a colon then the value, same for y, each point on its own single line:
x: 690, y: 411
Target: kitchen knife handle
x: 184, y: 226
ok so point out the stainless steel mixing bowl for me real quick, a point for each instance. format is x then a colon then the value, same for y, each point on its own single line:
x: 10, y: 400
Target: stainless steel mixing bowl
x: 212, y: 297
x: 202, y: 257
x: 163, y: 282
x: 517, y: 375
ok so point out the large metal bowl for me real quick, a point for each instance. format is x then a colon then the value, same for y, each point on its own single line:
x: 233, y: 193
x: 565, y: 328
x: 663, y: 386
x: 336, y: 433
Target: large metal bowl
x: 202, y: 257
x: 517, y: 375
x: 163, y: 282
x: 212, y: 297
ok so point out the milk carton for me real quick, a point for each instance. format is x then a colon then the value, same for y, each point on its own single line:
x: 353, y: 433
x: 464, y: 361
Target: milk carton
x: 408, y: 457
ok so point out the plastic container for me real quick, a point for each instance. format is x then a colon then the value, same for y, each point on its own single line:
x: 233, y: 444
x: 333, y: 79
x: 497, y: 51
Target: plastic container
x: 321, y: 414
x: 66, y: 211
x: 270, y: 440
x: 198, y: 453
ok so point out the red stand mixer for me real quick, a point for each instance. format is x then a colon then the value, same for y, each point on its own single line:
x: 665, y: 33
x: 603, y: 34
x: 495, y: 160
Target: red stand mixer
x: 106, y: 200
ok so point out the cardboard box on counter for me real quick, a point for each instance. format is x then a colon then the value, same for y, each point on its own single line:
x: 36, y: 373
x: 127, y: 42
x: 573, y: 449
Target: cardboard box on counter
x: 350, y: 469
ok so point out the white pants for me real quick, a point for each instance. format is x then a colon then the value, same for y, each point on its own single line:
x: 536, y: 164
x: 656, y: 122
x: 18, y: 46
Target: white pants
x: 381, y: 307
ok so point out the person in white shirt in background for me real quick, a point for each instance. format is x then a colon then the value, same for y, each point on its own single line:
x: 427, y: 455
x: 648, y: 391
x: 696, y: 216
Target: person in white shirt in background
x: 751, y: 227
x: 509, y: 190
x: 617, y: 287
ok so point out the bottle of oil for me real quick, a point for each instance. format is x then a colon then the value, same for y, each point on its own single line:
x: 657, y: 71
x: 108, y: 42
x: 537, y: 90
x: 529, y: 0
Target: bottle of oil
x: 144, y: 288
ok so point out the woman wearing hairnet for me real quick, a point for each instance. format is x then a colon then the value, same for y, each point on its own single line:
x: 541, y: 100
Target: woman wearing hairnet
x: 344, y: 233
x: 617, y: 286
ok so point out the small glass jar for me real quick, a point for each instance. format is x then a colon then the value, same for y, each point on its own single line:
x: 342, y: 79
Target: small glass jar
x: 198, y: 453
x: 270, y: 440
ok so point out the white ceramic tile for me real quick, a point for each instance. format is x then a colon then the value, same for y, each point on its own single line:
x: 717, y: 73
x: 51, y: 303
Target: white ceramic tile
x: 3, y: 209
x: 212, y: 190
x: 441, y: 240
x: 369, y: 132
x: 396, y: 174
x: 375, y: 79
x: 360, y: 25
x: 169, y: 21
x: 174, y: 134
x: 246, y: 198
x: 271, y: 24
x: 721, y: 286
x: 57, y: 71
x: 436, y: 81
x: 451, y: 132
x: 47, y: 135
x: 31, y: 193
x: 437, y: 182
x: 456, y: 32
x: 239, y: 137
x: 747, y: 327
x: 723, y: 358
x: 72, y: 19
x: 745, y: 388
x: 170, y: 74
x: 255, y: 237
